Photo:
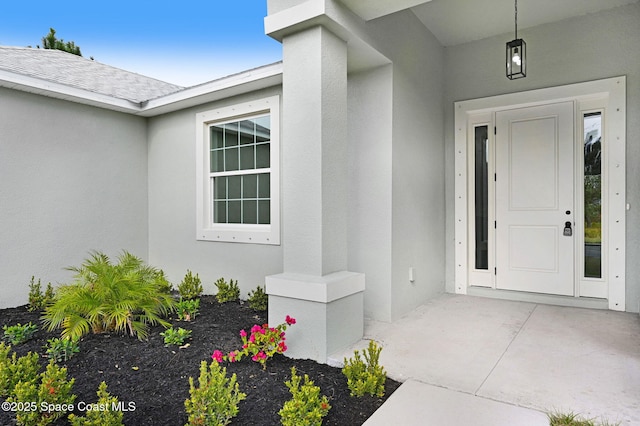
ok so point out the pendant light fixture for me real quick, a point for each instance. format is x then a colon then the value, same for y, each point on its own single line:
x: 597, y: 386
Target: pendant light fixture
x: 516, y: 54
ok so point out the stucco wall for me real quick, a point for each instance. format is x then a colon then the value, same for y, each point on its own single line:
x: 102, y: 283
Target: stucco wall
x: 580, y: 49
x: 172, y: 210
x: 73, y: 178
x: 370, y: 170
x: 417, y: 159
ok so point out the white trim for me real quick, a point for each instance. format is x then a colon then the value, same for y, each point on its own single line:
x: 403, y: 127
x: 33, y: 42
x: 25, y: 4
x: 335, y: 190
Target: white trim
x: 613, y: 90
x: 239, y: 233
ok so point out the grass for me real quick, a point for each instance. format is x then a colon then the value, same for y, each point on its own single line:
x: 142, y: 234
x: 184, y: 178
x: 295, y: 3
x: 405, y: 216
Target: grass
x: 572, y: 419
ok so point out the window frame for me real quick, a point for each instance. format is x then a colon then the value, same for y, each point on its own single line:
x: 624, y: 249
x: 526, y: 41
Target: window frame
x: 206, y: 229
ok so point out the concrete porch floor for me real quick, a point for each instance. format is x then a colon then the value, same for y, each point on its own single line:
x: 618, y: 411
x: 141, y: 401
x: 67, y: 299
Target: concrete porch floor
x: 467, y: 360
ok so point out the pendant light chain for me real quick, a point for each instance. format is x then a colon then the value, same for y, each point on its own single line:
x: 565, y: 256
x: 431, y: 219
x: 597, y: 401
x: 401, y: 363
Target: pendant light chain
x: 516, y: 20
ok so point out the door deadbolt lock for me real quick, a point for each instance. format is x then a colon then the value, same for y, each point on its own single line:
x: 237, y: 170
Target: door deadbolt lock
x: 567, y: 229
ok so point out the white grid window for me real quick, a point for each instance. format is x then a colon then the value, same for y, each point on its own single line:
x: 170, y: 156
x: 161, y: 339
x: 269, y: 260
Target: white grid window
x: 238, y: 173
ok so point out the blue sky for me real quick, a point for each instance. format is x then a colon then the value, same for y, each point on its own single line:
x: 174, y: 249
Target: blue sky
x: 182, y: 42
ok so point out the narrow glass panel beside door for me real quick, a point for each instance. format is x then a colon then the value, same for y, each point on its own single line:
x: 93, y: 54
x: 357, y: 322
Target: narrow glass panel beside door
x: 592, y: 195
x: 481, y: 197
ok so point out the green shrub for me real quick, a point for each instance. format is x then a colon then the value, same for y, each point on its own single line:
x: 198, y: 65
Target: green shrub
x: 38, y: 300
x: 187, y: 309
x: 19, y: 333
x: 123, y: 297
x: 44, y: 400
x: 5, y: 372
x: 306, y: 407
x: 365, y: 377
x: 175, y: 337
x: 215, y: 401
x: 227, y: 291
x: 61, y: 350
x: 107, y: 417
x: 164, y: 286
x: 190, y: 287
x: 14, y: 370
x: 258, y: 299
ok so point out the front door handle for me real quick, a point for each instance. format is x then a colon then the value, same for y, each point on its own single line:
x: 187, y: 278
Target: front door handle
x: 567, y: 229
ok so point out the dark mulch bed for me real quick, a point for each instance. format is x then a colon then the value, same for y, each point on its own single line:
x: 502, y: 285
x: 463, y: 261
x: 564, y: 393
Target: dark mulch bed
x: 159, y: 385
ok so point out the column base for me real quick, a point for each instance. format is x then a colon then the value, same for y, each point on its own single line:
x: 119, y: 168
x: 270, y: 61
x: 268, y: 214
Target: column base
x: 329, y: 311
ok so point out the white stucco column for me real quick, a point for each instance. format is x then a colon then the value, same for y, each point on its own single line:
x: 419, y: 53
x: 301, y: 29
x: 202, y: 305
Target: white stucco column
x: 315, y: 287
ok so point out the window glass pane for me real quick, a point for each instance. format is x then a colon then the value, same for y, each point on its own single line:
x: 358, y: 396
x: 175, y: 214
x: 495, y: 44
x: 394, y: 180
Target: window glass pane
x: 217, y: 140
x: 264, y: 190
x: 247, y: 157
x: 231, y: 159
x: 249, y: 186
x: 220, y: 212
x: 234, y: 187
x: 262, y: 156
x: 263, y: 128
x: 217, y: 161
x: 481, y: 197
x: 592, y: 195
x: 264, y: 212
x: 220, y: 188
x: 234, y: 212
x: 250, y: 211
x: 231, y: 134
x: 247, y: 132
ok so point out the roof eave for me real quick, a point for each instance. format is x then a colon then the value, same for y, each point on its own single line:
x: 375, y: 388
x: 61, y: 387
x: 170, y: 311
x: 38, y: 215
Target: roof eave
x: 237, y: 84
x: 42, y: 87
x: 226, y: 87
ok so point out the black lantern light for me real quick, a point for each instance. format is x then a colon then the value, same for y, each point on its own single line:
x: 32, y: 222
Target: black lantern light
x: 516, y: 54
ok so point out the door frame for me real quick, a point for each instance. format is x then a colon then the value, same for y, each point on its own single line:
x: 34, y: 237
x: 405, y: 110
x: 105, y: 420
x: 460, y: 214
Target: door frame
x: 607, y: 95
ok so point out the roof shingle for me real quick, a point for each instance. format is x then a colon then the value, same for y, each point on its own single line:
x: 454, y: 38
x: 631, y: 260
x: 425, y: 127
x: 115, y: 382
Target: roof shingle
x: 75, y: 71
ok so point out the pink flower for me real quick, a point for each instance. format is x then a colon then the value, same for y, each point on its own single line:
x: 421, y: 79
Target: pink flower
x: 256, y: 328
x: 232, y: 356
x: 259, y: 356
x: 217, y: 355
x: 243, y: 333
x: 290, y: 320
x: 252, y: 338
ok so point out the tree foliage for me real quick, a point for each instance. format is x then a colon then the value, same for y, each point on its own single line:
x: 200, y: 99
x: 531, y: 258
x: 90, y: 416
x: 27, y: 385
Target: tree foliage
x: 50, y: 41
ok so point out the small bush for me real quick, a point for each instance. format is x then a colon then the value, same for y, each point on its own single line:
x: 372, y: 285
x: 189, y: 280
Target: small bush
x: 61, y: 350
x: 227, y: 291
x: 13, y: 370
x: 365, y: 377
x: 262, y: 344
x: 164, y: 286
x: 43, y: 400
x: 306, y: 407
x: 187, y: 309
x: 107, y: 417
x: 258, y: 299
x: 38, y: 300
x: 105, y: 297
x: 19, y: 333
x: 175, y: 337
x: 190, y: 287
x: 215, y: 401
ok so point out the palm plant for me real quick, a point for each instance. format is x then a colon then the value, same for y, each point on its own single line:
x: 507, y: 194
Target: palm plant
x: 123, y: 297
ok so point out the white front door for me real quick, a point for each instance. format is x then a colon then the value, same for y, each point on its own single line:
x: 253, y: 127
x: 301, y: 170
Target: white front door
x: 535, y: 199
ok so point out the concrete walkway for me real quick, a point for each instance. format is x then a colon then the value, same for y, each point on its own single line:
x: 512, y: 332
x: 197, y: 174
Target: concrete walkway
x: 467, y: 360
